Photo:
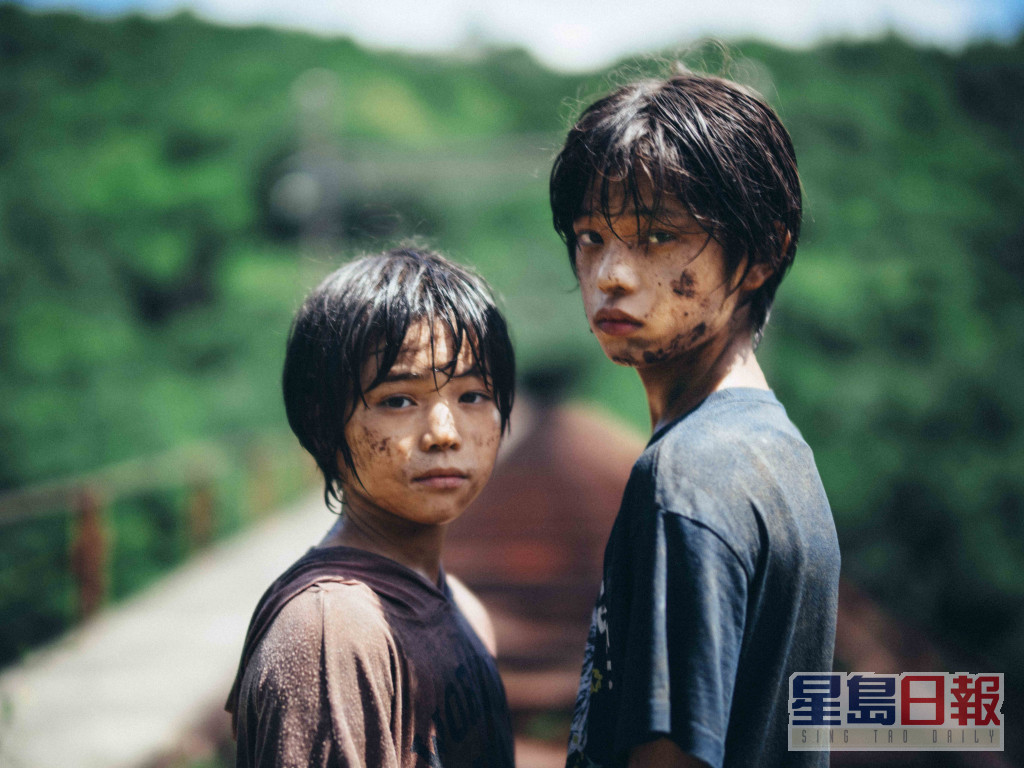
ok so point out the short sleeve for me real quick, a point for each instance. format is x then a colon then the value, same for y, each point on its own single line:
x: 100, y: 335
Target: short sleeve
x: 319, y: 689
x: 688, y: 607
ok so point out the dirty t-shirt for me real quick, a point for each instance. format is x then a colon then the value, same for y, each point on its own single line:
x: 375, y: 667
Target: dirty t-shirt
x: 720, y: 581
x: 352, y: 659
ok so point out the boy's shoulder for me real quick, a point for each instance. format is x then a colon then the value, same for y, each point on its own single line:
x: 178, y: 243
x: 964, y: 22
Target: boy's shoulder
x: 341, y: 596
x: 323, y: 604
x: 326, y: 643
x: 344, y: 617
x: 731, y: 438
x: 727, y: 418
x: 735, y: 464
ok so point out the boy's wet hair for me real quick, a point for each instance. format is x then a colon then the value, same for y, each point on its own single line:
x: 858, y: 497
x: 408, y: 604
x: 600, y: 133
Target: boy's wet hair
x: 361, y: 315
x: 713, y: 145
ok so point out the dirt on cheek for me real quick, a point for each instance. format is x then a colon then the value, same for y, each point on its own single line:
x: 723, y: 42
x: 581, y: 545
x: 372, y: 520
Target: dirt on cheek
x: 673, y: 348
x: 369, y: 443
x: 662, y: 354
x: 685, y: 285
x: 486, y: 442
x: 377, y: 443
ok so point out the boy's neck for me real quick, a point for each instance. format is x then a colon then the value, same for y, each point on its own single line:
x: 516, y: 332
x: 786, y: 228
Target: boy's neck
x: 677, y: 386
x: 417, y: 547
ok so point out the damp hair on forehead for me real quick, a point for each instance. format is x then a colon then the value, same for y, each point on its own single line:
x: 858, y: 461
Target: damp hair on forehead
x: 634, y: 198
x: 360, y: 316
x: 706, y: 143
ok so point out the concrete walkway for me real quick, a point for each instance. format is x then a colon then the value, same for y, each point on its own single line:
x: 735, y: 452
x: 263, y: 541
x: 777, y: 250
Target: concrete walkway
x: 129, y: 684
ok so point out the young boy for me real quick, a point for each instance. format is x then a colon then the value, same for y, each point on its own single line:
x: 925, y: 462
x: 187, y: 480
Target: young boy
x: 680, y: 205
x: 398, y: 379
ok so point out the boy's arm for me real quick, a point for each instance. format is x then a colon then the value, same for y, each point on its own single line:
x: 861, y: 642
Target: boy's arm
x: 319, y: 690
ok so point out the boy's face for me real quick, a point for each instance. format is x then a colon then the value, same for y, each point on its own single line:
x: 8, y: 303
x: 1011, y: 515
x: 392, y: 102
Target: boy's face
x: 423, y: 447
x: 654, y: 288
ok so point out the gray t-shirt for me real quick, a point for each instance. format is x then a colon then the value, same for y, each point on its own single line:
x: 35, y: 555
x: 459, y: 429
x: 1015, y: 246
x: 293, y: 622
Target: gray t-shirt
x: 720, y: 581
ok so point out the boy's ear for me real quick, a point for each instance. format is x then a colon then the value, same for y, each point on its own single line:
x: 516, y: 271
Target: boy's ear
x: 756, y: 276
x: 761, y: 271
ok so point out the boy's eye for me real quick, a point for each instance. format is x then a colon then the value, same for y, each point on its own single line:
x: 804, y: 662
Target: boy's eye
x: 660, y: 237
x: 475, y: 397
x: 397, y: 401
x: 589, y: 237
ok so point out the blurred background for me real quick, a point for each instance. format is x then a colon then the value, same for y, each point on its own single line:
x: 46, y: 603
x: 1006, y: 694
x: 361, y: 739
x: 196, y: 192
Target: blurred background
x: 174, y: 177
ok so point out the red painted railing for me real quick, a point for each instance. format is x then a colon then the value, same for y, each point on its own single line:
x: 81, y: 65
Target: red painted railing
x: 88, y: 498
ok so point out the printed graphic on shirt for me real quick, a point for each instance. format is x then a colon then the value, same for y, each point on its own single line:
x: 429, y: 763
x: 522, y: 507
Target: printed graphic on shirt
x: 594, y: 678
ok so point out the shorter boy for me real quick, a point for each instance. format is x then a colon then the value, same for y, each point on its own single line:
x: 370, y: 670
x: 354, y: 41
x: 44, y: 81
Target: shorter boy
x: 398, y: 379
x: 680, y: 205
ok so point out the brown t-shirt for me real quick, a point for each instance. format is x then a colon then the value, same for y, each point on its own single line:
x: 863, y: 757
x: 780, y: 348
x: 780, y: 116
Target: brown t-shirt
x: 352, y: 659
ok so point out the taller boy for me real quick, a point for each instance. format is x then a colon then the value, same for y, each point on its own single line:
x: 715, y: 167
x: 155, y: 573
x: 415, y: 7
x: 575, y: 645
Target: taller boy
x: 679, y: 202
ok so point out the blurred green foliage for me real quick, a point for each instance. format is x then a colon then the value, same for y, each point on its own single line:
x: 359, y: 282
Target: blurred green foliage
x: 170, y: 189
x: 897, y: 344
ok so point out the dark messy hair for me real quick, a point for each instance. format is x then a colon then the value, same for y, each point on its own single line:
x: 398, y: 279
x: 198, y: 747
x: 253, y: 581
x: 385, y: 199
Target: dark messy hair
x: 363, y: 311
x: 713, y: 145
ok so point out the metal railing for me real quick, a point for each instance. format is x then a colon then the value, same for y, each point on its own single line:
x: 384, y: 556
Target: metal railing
x: 87, y: 499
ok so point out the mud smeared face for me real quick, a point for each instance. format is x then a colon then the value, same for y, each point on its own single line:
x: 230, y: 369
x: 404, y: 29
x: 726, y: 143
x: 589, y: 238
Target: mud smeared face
x: 425, y: 441
x: 685, y: 286
x: 654, y: 285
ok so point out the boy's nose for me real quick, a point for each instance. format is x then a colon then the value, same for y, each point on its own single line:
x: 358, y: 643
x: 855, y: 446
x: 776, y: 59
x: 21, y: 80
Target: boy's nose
x: 615, y: 271
x: 440, y: 432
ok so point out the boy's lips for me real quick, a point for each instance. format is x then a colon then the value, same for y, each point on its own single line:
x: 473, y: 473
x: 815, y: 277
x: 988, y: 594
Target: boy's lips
x: 442, y: 478
x: 615, y: 322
